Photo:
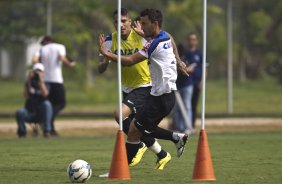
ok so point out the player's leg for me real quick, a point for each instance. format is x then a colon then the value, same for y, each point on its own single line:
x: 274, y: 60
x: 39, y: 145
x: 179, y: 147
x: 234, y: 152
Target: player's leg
x: 146, y: 121
x: 126, y: 120
x: 156, y: 148
x: 134, y: 137
x: 126, y: 115
x: 135, y: 100
x: 163, y: 156
x: 154, y: 110
x: 179, y: 139
x: 147, y: 142
x: 133, y: 142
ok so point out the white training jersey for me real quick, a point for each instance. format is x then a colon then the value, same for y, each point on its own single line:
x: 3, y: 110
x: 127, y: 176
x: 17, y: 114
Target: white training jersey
x: 49, y: 55
x: 162, y: 64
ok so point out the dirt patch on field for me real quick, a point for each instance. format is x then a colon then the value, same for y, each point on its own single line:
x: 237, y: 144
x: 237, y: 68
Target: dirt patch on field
x: 109, y: 127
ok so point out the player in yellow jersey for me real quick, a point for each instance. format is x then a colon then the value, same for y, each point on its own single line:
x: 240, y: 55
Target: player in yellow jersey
x: 136, y: 83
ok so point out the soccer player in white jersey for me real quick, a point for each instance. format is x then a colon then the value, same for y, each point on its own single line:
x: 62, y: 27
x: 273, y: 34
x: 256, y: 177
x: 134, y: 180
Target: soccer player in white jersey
x: 136, y: 81
x: 163, y: 71
x: 52, y: 55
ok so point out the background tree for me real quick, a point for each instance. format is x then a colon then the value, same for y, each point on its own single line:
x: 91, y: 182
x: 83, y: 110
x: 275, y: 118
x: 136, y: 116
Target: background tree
x: 257, y: 30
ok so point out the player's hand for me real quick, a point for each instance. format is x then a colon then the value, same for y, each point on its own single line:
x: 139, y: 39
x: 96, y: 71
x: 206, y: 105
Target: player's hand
x: 72, y: 64
x: 137, y: 28
x: 181, y: 67
x: 189, y: 69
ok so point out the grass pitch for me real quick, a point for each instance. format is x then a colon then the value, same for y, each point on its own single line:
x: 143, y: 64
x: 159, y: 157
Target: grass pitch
x: 237, y: 158
x: 249, y: 97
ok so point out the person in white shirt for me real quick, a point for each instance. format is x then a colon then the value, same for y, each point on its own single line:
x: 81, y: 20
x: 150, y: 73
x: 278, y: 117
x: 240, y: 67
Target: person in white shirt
x: 163, y: 71
x: 52, y: 55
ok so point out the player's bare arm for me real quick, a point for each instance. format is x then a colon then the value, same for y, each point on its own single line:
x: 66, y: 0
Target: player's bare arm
x: 181, y: 66
x: 67, y: 62
x: 125, y: 60
x: 103, y: 64
x: 35, y: 59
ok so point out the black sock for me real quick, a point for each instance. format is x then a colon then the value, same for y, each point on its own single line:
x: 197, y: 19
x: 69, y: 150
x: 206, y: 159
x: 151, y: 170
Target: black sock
x: 162, y: 154
x: 131, y: 150
x: 161, y: 133
x: 141, y: 144
x: 149, y: 141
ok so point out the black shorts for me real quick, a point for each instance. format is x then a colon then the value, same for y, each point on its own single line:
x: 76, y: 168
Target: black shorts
x: 153, y: 111
x: 136, y: 98
x: 57, y: 94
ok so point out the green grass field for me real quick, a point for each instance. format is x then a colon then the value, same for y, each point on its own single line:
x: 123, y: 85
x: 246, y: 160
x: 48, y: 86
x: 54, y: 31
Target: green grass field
x: 238, y: 158
x: 250, y: 97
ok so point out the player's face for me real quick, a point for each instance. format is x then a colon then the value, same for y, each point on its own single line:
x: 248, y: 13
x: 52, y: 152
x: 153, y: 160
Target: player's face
x: 125, y: 25
x: 192, y: 41
x: 148, y: 27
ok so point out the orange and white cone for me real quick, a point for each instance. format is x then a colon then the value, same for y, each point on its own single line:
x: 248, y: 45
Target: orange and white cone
x: 203, y: 169
x: 119, y: 166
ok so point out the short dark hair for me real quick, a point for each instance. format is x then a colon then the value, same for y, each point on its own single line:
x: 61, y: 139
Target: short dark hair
x: 46, y: 39
x: 153, y: 14
x: 123, y: 12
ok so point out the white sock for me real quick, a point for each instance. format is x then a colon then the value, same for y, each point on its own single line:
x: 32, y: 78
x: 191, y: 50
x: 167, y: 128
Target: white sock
x: 156, y: 147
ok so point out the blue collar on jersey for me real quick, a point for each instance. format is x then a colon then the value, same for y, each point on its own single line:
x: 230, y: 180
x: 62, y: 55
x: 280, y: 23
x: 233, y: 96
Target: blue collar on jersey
x: 162, y: 36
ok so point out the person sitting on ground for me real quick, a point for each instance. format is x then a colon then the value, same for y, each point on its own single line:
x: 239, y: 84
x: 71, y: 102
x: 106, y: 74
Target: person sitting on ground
x: 37, y: 108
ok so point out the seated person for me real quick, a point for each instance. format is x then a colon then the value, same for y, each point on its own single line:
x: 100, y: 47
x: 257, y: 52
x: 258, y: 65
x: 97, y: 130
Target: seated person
x: 37, y: 108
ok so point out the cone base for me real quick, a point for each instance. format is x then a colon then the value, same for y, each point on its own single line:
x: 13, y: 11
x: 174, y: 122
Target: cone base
x: 119, y: 178
x: 206, y: 179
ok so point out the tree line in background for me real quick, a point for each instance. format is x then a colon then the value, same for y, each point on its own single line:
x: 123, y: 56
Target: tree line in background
x: 77, y: 24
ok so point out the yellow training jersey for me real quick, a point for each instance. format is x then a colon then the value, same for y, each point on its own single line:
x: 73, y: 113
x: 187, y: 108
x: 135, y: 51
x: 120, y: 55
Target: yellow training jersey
x: 135, y: 75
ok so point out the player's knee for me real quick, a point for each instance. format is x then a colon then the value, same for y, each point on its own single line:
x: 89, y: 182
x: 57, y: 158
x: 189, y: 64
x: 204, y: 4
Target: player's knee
x: 134, y: 134
x: 149, y: 141
x: 125, y: 112
x: 116, y: 115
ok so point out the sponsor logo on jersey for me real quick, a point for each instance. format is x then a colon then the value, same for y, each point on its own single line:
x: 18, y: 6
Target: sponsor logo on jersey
x: 127, y: 52
x: 167, y: 45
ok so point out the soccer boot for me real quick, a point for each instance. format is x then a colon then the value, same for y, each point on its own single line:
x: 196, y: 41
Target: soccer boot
x: 180, y: 145
x: 138, y: 155
x: 162, y: 162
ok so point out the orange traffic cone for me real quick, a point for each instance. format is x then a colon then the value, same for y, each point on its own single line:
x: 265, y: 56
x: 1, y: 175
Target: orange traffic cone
x: 203, y: 169
x: 119, y: 167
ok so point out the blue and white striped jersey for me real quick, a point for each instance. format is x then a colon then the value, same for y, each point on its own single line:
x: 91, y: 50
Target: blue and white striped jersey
x: 162, y: 64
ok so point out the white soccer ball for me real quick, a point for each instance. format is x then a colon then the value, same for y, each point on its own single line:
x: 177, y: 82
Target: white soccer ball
x: 79, y: 171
